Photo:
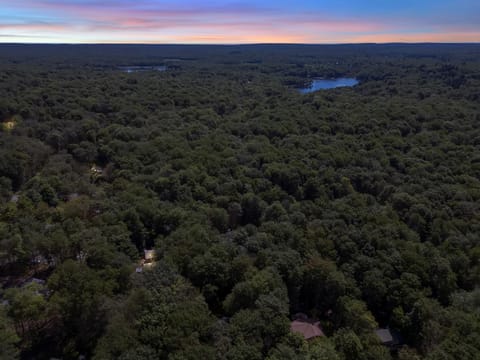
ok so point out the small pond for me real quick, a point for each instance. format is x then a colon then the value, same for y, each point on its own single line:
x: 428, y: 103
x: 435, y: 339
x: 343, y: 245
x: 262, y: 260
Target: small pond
x: 131, y: 69
x: 322, y: 84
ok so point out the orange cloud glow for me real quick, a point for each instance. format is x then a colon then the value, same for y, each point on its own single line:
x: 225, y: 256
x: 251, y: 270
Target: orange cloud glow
x: 419, y: 37
x: 155, y: 21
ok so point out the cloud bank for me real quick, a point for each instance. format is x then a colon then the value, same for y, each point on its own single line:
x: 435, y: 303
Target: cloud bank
x: 152, y: 21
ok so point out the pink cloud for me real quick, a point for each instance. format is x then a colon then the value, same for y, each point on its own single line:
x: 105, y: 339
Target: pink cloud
x: 34, y: 27
x: 147, y: 21
x: 143, y: 13
x: 419, y: 37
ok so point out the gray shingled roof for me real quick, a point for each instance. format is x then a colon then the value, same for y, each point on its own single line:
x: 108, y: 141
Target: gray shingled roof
x: 384, y: 335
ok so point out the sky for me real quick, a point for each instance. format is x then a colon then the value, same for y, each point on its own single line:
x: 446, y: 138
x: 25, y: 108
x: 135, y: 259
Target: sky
x: 238, y: 22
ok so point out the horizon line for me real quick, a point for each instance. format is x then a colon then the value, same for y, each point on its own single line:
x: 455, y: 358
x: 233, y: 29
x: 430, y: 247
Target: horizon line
x: 252, y: 43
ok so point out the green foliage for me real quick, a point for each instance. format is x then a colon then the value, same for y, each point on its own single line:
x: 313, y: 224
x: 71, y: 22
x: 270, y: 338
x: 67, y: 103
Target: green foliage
x: 8, y: 338
x: 357, y: 206
x: 355, y: 315
x: 163, y: 315
x: 27, y: 308
x: 246, y: 293
x: 322, y: 349
x: 348, y: 344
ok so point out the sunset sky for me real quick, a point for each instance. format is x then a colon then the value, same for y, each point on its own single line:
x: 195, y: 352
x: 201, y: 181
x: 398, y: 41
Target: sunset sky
x: 233, y: 22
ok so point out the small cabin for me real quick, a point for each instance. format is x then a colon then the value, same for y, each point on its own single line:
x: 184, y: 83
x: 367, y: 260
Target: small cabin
x: 307, y: 327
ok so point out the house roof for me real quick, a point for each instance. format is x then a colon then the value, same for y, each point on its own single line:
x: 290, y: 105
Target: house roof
x: 308, y: 328
x: 384, y: 335
x: 388, y: 337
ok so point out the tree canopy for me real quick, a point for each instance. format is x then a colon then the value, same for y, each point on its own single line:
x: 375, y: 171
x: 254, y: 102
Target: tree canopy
x: 356, y: 206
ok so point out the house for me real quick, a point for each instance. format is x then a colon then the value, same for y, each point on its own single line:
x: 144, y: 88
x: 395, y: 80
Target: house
x: 39, y: 286
x: 149, y: 258
x: 149, y: 255
x: 96, y: 170
x: 9, y: 125
x: 39, y: 260
x: 388, y: 337
x: 34, y: 280
x: 309, y: 328
x: 97, y: 173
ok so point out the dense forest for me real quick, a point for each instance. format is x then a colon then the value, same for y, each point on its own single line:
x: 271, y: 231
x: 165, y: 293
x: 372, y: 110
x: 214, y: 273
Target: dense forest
x: 357, y: 206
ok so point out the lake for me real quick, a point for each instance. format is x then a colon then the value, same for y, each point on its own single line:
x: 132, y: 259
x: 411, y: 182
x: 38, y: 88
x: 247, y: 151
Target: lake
x: 322, y: 84
x: 131, y: 69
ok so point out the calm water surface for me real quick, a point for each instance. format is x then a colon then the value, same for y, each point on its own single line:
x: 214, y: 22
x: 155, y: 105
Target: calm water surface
x: 322, y: 84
